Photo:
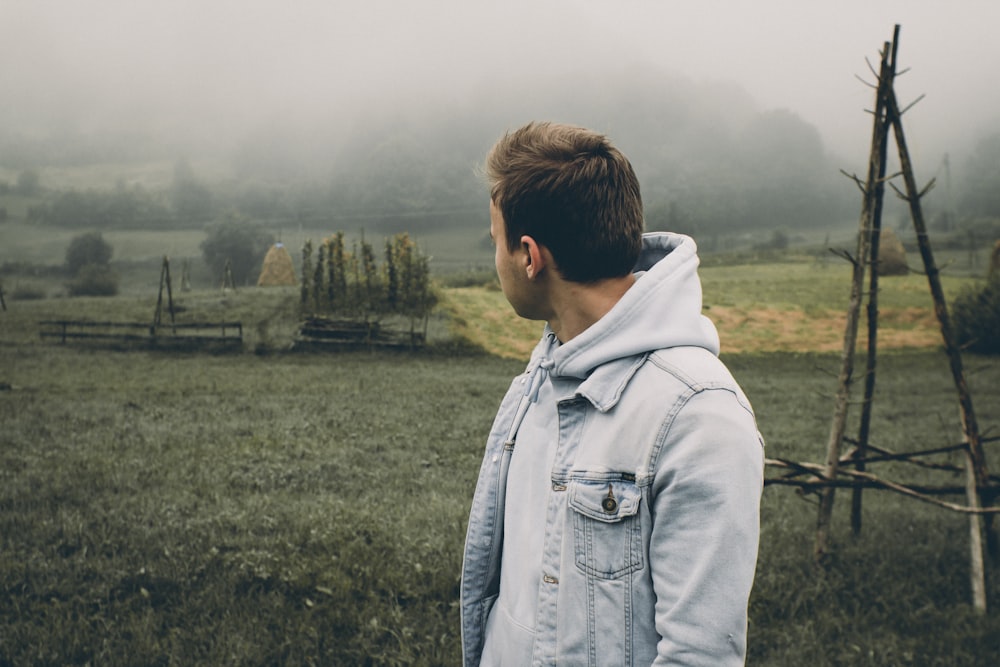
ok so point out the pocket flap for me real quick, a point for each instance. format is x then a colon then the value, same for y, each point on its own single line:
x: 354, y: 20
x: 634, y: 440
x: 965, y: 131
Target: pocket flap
x: 608, y: 501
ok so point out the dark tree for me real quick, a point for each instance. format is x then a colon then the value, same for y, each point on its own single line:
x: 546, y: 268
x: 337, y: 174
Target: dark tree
x: 976, y: 317
x: 90, y: 248
x: 240, y: 242
x: 88, y: 261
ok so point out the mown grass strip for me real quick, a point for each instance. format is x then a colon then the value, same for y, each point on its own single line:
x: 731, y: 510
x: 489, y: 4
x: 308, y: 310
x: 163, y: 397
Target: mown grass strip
x: 787, y: 307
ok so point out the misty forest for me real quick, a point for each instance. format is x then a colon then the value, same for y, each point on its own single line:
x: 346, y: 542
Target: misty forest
x: 711, y: 162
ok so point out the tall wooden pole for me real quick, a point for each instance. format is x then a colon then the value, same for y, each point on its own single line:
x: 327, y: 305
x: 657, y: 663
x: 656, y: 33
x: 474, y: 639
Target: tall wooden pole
x: 977, y: 565
x: 157, y: 314
x: 872, y: 352
x: 859, y: 261
x: 170, y: 289
x: 970, y: 428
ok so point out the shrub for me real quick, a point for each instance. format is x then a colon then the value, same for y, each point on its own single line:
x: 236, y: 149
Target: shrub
x: 976, y: 317
x: 27, y: 293
x: 87, y: 249
x: 94, y: 280
x: 241, y: 243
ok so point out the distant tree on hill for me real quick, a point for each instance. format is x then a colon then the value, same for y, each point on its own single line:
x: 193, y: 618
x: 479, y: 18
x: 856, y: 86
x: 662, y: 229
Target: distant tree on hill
x: 88, y: 261
x: 90, y: 248
x: 976, y: 317
x: 125, y: 207
x: 240, y: 242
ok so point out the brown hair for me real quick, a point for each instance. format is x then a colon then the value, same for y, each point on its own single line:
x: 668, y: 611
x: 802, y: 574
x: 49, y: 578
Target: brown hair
x: 574, y: 193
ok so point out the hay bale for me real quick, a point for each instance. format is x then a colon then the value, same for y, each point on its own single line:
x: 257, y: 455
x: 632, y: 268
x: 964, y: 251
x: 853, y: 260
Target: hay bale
x: 278, y: 268
x: 891, y: 254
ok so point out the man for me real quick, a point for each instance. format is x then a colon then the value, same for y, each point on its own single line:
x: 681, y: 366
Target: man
x: 616, y: 517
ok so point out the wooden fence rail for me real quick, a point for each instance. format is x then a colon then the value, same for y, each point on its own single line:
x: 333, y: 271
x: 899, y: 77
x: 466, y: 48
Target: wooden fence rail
x: 184, y: 335
x: 322, y: 333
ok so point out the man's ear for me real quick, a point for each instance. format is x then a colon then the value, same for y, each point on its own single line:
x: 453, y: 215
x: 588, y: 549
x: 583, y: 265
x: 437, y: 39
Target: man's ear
x: 536, y: 256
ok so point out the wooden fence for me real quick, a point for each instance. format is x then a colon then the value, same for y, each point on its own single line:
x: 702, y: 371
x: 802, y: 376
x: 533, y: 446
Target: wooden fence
x: 189, y: 335
x: 323, y: 333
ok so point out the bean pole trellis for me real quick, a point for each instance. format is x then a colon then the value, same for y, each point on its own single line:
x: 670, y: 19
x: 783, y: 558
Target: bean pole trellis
x: 850, y: 470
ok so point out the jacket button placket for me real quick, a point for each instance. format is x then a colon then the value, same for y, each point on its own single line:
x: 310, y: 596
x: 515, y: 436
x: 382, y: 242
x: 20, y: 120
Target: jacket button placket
x: 571, y: 418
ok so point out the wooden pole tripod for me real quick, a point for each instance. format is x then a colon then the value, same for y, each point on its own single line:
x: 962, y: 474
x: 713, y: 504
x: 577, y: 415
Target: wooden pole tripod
x: 888, y: 115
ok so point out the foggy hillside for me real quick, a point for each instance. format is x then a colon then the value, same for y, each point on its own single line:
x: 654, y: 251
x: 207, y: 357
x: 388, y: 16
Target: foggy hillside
x: 706, y: 154
x: 377, y: 115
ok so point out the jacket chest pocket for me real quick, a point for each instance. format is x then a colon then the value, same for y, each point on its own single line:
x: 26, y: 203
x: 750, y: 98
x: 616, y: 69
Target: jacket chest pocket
x: 607, y: 531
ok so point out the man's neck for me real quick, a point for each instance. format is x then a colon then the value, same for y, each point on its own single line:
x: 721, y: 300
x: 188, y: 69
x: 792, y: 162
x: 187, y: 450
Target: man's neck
x: 576, y: 306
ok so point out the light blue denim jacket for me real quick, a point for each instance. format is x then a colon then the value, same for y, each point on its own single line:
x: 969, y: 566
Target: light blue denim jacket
x: 652, y: 518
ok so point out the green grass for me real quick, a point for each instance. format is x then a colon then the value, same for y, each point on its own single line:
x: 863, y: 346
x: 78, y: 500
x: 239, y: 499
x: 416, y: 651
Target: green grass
x: 185, y: 509
x: 296, y: 509
x: 899, y: 593
x: 808, y: 285
x: 786, y: 306
x: 193, y: 510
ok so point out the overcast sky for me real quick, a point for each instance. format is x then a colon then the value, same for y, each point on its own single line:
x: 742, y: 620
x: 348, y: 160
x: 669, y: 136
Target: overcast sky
x: 104, y: 63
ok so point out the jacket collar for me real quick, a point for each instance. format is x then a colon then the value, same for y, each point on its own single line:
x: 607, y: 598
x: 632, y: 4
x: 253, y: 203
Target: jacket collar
x: 604, y: 387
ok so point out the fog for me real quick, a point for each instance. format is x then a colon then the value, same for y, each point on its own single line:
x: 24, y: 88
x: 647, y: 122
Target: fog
x: 191, y: 77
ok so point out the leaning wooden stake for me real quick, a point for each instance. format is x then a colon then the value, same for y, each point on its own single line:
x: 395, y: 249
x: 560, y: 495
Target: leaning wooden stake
x: 970, y: 428
x: 859, y: 262
x: 164, y: 282
x: 977, y: 566
x: 864, y: 428
x: 227, y: 277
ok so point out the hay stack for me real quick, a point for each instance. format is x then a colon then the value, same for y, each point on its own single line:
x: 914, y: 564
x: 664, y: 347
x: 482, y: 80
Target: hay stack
x: 278, y: 268
x: 891, y: 254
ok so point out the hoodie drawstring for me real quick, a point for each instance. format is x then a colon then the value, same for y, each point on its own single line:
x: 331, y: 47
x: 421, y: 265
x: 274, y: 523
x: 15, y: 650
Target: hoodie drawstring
x: 536, y: 374
x: 537, y: 377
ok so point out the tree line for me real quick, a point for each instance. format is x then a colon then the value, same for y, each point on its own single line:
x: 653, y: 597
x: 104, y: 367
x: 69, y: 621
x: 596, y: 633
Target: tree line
x: 708, y: 160
x: 692, y: 196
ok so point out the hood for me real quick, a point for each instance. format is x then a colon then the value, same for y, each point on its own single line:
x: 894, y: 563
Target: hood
x: 662, y: 309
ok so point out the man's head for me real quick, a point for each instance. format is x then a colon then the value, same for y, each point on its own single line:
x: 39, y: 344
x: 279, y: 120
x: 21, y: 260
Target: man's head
x: 571, y: 191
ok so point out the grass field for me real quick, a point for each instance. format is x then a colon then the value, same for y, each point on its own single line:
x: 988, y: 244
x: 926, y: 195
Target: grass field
x: 309, y: 509
x: 774, y: 307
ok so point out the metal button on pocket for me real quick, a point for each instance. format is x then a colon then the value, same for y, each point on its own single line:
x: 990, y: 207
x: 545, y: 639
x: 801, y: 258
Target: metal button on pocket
x: 609, y: 503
